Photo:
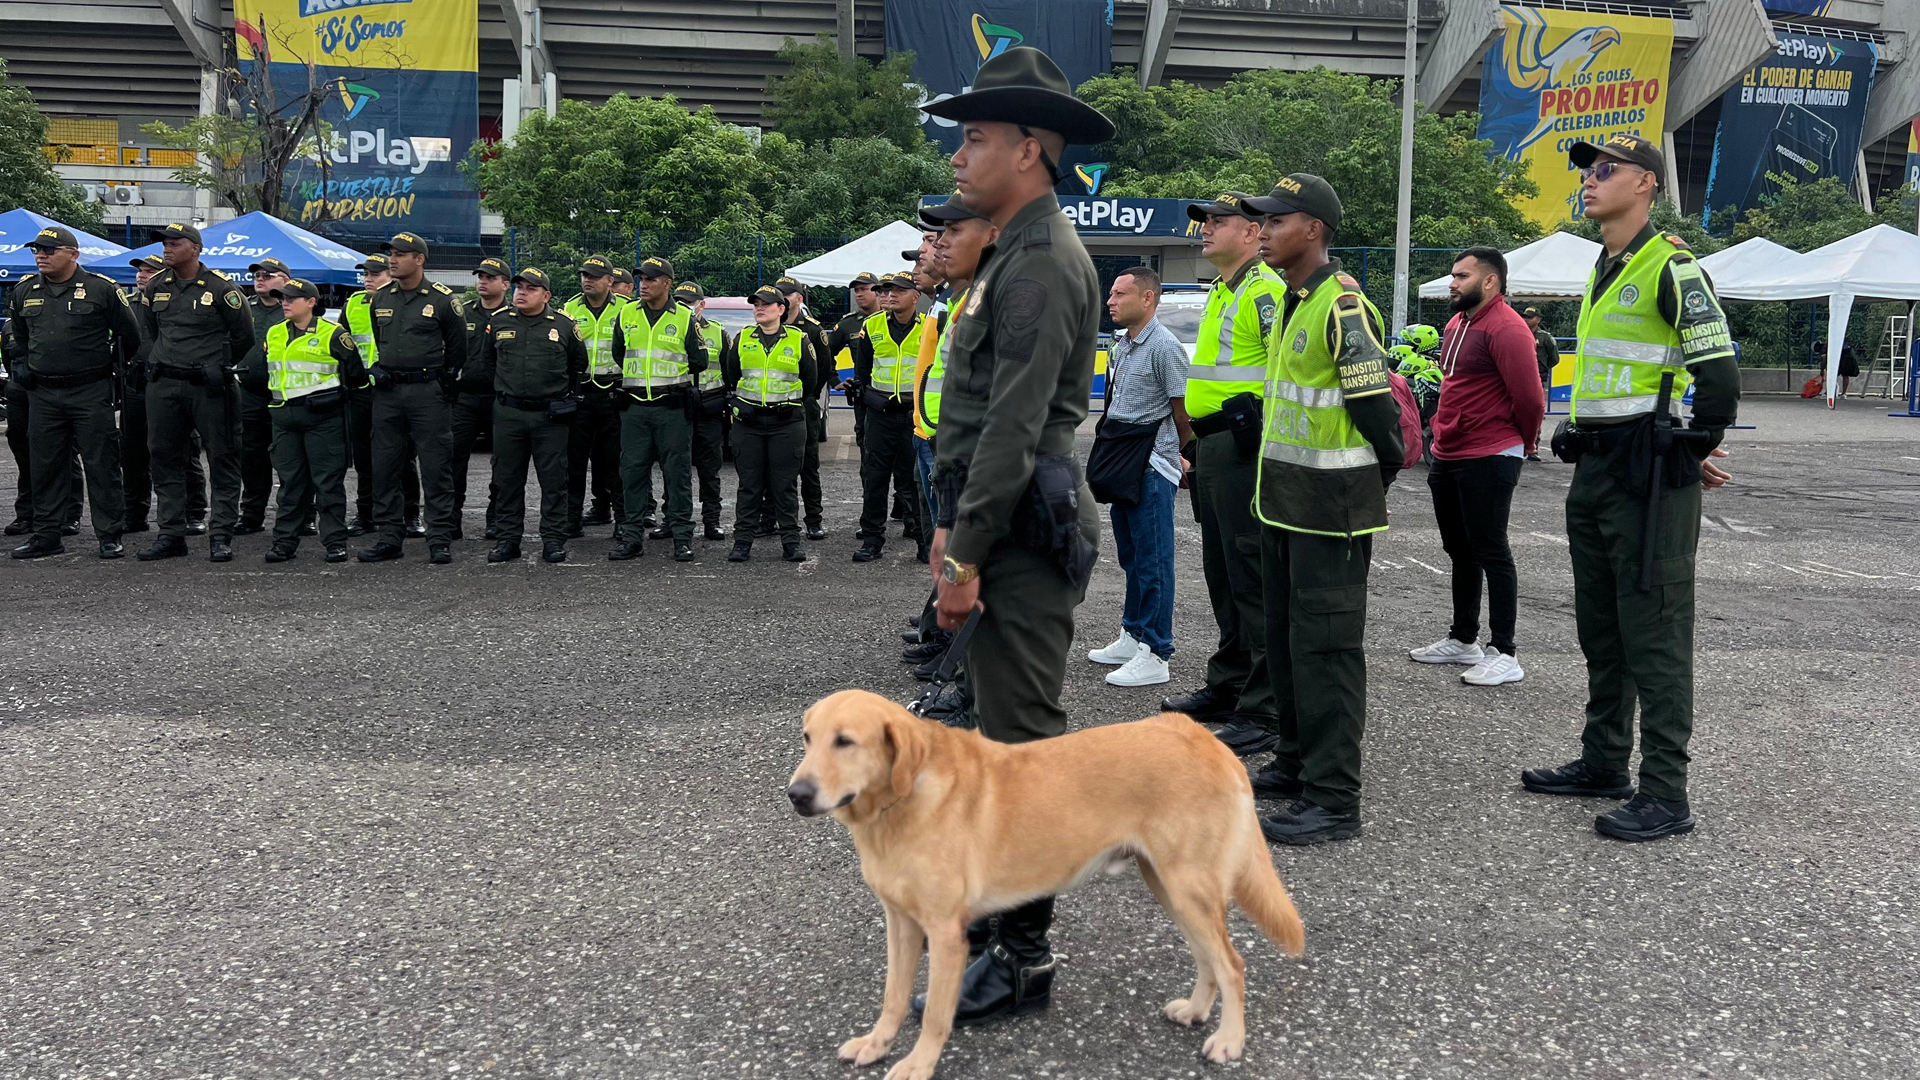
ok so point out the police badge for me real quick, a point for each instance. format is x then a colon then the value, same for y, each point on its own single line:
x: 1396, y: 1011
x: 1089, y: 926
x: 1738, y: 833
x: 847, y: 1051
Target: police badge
x: 1630, y: 295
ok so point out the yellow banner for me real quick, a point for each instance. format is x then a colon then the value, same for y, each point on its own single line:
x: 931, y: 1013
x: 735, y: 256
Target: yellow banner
x: 1558, y: 77
x: 422, y: 35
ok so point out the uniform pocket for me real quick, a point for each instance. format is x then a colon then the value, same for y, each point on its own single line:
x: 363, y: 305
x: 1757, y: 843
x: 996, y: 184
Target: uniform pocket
x: 1331, y: 619
x: 1673, y: 582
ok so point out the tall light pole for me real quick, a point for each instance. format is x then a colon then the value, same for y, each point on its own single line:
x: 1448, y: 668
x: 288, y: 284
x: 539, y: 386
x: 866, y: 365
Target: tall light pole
x: 1403, y: 219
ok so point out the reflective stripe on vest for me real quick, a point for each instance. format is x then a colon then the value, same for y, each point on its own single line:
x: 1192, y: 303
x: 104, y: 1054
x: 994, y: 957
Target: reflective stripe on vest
x: 597, y: 335
x: 359, y: 315
x: 1305, y: 421
x: 1230, y: 355
x: 893, y: 361
x: 770, y: 378
x: 716, y: 337
x: 299, y: 367
x: 1625, y: 346
x: 656, y: 358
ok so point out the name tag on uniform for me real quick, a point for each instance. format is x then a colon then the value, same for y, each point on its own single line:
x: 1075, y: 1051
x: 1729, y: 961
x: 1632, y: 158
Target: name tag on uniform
x: 553, y: 335
x: 504, y: 335
x: 383, y: 313
x: 159, y: 296
x: 427, y: 311
x: 34, y: 301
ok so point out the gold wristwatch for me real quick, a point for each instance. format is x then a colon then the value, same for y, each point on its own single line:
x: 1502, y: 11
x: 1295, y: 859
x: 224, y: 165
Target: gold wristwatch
x: 954, y: 572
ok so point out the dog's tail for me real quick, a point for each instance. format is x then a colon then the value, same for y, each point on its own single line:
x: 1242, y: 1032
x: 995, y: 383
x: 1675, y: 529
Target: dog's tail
x: 1258, y: 891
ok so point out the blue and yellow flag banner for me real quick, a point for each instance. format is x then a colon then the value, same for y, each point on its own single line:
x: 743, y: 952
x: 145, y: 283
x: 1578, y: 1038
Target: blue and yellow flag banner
x: 1793, y: 118
x: 1555, y: 78
x: 398, y: 82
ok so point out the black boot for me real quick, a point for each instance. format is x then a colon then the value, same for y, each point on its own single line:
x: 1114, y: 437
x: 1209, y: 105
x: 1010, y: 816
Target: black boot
x: 1644, y: 817
x: 1014, y: 975
x: 1203, y: 704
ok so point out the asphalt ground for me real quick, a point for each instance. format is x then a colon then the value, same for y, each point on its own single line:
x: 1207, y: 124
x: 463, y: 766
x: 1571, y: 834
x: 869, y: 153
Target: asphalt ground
x: 527, y: 820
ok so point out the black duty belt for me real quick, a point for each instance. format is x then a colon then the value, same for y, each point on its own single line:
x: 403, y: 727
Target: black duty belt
x: 528, y: 404
x: 384, y: 374
x: 62, y: 382
x: 192, y: 375
x: 676, y: 399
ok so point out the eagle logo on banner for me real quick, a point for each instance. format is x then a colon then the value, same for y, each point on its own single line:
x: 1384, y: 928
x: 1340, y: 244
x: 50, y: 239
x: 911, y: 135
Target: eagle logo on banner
x: 1528, y: 67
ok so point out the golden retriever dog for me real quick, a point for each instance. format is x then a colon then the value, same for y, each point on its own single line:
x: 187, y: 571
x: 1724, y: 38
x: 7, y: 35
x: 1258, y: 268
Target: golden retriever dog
x: 952, y: 827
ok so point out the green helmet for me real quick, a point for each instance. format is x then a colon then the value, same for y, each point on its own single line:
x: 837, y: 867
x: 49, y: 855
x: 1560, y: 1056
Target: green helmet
x: 1422, y: 337
x: 1405, y: 360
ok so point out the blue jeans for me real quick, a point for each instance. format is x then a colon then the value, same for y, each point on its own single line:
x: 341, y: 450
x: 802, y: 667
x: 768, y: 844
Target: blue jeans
x: 1143, y: 538
x: 923, y: 467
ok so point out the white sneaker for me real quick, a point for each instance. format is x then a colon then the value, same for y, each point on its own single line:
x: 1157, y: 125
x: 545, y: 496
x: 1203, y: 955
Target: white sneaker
x: 1448, y: 651
x: 1123, y: 649
x: 1496, y: 669
x: 1145, y: 669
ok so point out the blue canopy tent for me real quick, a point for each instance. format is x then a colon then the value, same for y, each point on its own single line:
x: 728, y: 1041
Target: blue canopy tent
x: 232, y: 246
x: 17, y: 227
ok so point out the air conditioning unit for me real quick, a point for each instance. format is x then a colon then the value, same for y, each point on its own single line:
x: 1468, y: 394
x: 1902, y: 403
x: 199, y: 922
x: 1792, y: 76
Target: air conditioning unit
x: 125, y: 195
x: 92, y: 193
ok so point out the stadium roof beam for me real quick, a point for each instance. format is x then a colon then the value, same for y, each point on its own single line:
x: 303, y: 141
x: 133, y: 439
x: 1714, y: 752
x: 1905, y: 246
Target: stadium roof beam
x: 201, y: 27
x: 1163, y: 18
x: 1470, y: 27
x: 522, y: 17
x: 1896, y: 90
x: 1734, y: 36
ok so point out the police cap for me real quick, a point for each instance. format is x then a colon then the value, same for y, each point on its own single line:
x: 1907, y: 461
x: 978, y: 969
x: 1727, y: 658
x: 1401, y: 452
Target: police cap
x: 377, y: 264
x: 941, y: 215
x: 767, y: 294
x: 177, y: 231
x: 654, y: 266
x: 790, y: 286
x: 1301, y: 193
x: 534, y: 277
x: 1631, y: 149
x: 151, y: 262
x: 405, y: 241
x: 864, y: 277
x: 270, y: 266
x: 52, y: 238
x: 1225, y: 204
x: 622, y: 275
x: 595, y: 266
x: 295, y: 287
x: 689, y: 291
x: 492, y: 267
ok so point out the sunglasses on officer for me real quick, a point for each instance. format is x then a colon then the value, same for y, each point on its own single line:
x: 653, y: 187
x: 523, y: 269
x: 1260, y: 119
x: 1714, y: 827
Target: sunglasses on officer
x: 1604, y: 170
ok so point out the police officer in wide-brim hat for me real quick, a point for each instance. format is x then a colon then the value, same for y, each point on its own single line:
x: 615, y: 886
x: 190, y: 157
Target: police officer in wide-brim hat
x: 1026, y: 340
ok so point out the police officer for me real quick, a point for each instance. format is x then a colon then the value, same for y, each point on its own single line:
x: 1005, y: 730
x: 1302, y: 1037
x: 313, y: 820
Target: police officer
x: 710, y: 413
x: 1025, y: 343
x: 200, y: 330
x: 866, y: 301
x: 661, y: 352
x: 594, y: 436
x: 421, y: 340
x: 1650, y: 327
x: 19, y: 416
x: 135, y: 470
x: 67, y: 325
x: 358, y: 313
x: 538, y: 364
x: 798, y: 315
x: 884, y: 358
x: 1330, y: 445
x: 256, y: 425
x: 306, y: 365
x: 473, y: 410
x: 1223, y: 401
x: 772, y: 371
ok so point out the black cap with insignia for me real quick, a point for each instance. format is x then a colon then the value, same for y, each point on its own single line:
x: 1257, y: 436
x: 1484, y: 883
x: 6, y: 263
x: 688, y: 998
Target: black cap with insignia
x: 864, y: 277
x: 1024, y: 86
x: 689, y: 291
x: 789, y: 286
x: 52, y: 238
x: 534, y: 277
x: 1631, y: 149
x: 1301, y: 193
x: 151, y: 262
x: 376, y: 264
x: 767, y: 294
x: 940, y: 215
x: 1225, y: 204
x: 405, y: 241
x: 622, y: 275
x: 271, y: 266
x: 912, y: 255
x: 494, y: 267
x: 654, y: 266
x: 595, y: 266
x: 177, y: 231
x: 295, y: 287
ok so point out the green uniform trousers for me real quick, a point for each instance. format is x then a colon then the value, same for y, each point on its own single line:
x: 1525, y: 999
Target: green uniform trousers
x: 136, y: 472
x: 60, y: 422
x: 709, y: 450
x: 520, y: 436
x: 657, y: 433
x: 593, y: 441
x: 810, y: 467
x: 1017, y: 657
x: 472, y: 419
x: 1315, y: 598
x: 19, y: 440
x: 1638, y: 645
x: 360, y: 439
x: 176, y: 410
x: 767, y: 456
x: 310, y: 454
x: 256, y: 457
x: 412, y: 423
x: 1230, y: 559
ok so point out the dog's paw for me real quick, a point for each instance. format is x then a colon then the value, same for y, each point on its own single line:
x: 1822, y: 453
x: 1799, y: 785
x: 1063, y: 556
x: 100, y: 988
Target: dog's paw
x: 1222, y: 1048
x: 911, y: 1070
x: 1184, y: 1012
x: 865, y: 1050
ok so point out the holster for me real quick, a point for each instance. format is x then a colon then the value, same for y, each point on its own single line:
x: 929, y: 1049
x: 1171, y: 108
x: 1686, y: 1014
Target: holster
x: 1240, y: 415
x: 1048, y: 519
x: 564, y: 409
x: 947, y: 487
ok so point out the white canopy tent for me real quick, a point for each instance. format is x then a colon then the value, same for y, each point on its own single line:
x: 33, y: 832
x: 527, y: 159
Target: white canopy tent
x: 1735, y: 269
x: 877, y: 252
x: 1554, y: 267
x: 1878, y: 265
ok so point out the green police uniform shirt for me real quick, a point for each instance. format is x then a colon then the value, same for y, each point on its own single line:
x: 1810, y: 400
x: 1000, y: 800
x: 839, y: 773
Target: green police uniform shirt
x: 418, y: 328
x: 196, y: 324
x: 1230, y: 354
x: 538, y: 356
x: 596, y: 332
x: 265, y: 317
x: 1021, y: 370
x: 300, y: 362
x: 73, y: 327
x: 473, y: 380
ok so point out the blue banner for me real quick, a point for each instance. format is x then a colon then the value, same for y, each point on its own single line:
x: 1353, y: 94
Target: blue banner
x: 1795, y: 118
x: 1118, y: 217
x: 950, y: 39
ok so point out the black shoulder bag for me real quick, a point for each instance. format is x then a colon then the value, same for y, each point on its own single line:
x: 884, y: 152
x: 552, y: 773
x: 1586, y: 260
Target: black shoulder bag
x: 1118, y: 462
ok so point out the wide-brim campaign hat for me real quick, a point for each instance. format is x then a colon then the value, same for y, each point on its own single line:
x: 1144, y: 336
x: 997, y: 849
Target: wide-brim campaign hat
x: 1024, y: 86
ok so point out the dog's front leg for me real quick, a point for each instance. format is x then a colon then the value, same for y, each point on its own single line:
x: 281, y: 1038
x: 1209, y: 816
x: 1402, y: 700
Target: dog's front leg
x: 904, y: 940
x: 946, y: 962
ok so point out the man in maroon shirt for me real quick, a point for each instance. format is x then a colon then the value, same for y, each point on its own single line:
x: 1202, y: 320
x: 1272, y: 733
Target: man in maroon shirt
x: 1488, y: 421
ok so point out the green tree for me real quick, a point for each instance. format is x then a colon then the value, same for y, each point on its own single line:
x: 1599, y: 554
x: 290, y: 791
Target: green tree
x: 848, y: 187
x: 1184, y: 141
x: 1807, y: 216
x: 633, y: 163
x: 27, y: 178
x: 823, y: 96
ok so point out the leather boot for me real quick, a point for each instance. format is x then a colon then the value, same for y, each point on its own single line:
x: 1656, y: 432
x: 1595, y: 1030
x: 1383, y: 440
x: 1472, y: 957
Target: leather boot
x: 1014, y: 975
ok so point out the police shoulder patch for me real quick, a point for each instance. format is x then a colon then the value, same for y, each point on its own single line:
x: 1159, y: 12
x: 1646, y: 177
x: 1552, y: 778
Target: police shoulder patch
x: 442, y: 289
x: 1676, y: 241
x: 233, y: 299
x: 217, y: 275
x: 1347, y: 282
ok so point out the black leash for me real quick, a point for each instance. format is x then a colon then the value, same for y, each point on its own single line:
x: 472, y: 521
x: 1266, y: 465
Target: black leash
x: 950, y: 662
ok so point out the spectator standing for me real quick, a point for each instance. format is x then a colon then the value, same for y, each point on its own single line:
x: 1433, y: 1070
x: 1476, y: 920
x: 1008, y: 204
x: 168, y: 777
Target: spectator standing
x: 1147, y: 383
x: 1491, y: 406
x: 1547, y: 352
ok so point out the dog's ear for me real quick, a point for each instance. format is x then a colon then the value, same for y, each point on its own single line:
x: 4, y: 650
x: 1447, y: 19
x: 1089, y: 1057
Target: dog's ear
x: 908, y: 736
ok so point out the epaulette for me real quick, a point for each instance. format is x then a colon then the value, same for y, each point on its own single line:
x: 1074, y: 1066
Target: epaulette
x: 1038, y: 234
x: 1347, y: 282
x: 211, y: 272
x: 30, y: 279
x: 442, y: 289
x: 1676, y: 241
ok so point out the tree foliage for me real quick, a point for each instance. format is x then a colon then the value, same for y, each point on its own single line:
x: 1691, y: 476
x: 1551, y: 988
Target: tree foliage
x: 1185, y: 141
x: 824, y: 97
x: 27, y: 178
x: 1807, y: 216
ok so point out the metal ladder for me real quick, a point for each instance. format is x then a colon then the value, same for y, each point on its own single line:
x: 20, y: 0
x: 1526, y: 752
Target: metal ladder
x: 1896, y: 346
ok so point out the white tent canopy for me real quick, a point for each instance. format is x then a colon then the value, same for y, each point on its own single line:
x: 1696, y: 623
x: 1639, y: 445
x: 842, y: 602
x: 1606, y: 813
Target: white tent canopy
x: 1877, y: 265
x: 877, y: 252
x: 1736, y: 269
x: 1554, y: 267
